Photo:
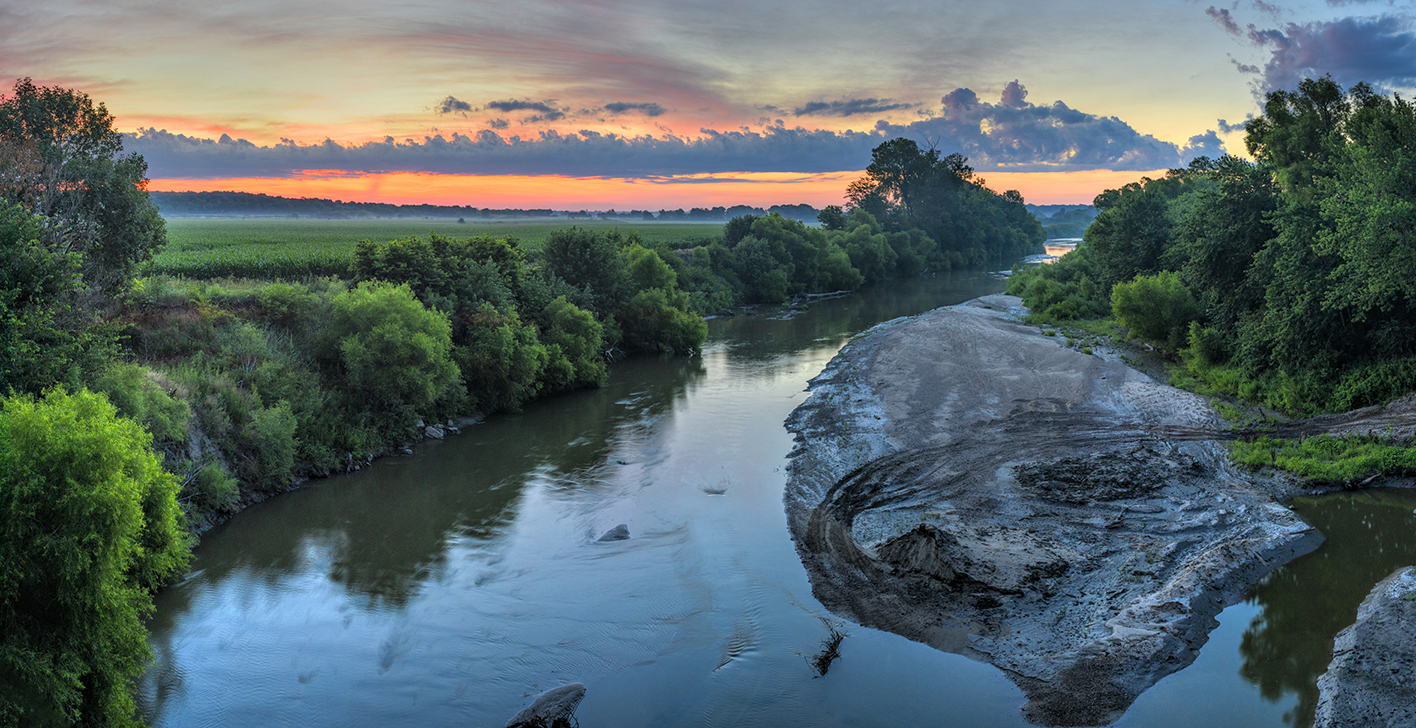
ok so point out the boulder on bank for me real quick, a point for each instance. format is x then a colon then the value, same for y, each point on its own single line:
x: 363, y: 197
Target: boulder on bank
x: 1371, y: 681
x: 551, y: 709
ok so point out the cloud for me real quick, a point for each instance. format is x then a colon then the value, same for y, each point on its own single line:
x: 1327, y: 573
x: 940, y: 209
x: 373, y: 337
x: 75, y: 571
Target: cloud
x: 452, y: 104
x: 546, y: 112
x: 498, y: 123
x: 849, y: 107
x: 1207, y: 144
x: 1015, y: 135
x: 623, y: 107
x: 1227, y: 128
x: 1011, y: 135
x: 583, y: 154
x: 1379, y: 50
x: 1222, y: 16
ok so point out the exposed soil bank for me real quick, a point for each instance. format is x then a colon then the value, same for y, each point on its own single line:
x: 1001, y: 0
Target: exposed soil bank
x: 964, y: 481
x: 1372, y: 678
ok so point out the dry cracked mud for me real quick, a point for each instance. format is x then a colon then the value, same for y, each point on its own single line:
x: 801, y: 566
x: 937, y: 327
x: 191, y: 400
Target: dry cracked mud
x: 966, y: 482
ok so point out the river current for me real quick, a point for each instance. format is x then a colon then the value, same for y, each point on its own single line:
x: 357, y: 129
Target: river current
x: 451, y: 586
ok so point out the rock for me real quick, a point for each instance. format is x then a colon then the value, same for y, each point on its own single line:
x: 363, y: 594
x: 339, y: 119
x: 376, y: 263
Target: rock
x: 1372, y: 678
x: 433, y: 432
x: 407, y: 451
x: 550, y: 709
x: 618, y: 533
x: 966, y: 482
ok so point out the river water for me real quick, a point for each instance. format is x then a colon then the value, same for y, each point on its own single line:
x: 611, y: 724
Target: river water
x: 452, y: 586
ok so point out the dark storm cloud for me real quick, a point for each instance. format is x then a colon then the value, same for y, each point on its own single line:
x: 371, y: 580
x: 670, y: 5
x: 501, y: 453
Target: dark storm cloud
x: 624, y: 107
x: 1379, y: 50
x: 452, y: 104
x: 849, y: 107
x: 1011, y: 135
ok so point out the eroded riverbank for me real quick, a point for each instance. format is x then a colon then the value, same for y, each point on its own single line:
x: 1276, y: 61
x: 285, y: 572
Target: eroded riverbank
x: 964, y: 481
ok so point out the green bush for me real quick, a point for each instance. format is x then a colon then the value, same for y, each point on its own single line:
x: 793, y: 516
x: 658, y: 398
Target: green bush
x: 501, y: 362
x: 142, y: 394
x: 210, y: 490
x: 573, y: 341
x: 88, y: 528
x: 269, y: 439
x: 1157, y: 308
x: 387, y: 349
x: 655, y: 319
x: 1329, y: 459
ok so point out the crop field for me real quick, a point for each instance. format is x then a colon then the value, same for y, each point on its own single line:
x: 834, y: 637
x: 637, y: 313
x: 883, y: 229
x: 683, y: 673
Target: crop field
x: 287, y: 248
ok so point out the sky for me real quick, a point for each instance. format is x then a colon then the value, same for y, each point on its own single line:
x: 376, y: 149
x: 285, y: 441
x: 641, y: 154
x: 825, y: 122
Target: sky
x: 630, y: 104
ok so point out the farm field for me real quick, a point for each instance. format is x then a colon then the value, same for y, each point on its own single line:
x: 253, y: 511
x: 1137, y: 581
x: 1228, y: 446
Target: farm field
x: 286, y: 248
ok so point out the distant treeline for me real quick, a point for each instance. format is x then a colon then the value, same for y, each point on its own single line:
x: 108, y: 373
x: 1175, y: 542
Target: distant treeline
x: 1064, y: 221
x: 247, y: 203
x: 1289, y: 280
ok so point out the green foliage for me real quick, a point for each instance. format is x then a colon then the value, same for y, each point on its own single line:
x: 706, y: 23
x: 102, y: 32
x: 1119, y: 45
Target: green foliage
x: 387, y: 349
x: 1327, y: 459
x: 655, y: 318
x: 573, y: 343
x: 88, y: 528
x: 1157, y: 308
x: 502, y: 360
x: 47, y: 335
x: 269, y: 439
x: 145, y: 396
x: 211, y: 490
x: 1063, y: 291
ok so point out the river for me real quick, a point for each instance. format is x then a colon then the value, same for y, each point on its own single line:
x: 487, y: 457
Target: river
x: 451, y: 586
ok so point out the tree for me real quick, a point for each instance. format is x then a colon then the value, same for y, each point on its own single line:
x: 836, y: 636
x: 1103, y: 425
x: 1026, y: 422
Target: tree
x: 387, y: 349
x: 88, y: 528
x: 60, y: 158
x: 46, y: 338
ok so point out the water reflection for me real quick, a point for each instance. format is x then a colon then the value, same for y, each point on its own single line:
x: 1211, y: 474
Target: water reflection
x: 1307, y: 602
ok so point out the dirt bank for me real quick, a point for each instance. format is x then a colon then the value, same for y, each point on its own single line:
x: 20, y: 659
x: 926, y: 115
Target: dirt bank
x: 964, y: 481
x: 1370, y: 681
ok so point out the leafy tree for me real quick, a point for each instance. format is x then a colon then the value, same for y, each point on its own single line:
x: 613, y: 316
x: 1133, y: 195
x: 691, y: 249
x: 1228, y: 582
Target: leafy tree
x: 573, y: 342
x: 46, y: 337
x: 502, y: 359
x: 88, y: 528
x: 832, y: 218
x: 387, y: 349
x: 591, y: 262
x: 60, y: 158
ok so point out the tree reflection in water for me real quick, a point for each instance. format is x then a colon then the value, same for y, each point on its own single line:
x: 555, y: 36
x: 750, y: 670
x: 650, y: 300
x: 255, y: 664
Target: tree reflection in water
x: 1307, y: 602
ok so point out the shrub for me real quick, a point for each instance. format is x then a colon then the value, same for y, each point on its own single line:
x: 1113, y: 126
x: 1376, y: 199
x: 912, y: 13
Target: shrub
x: 387, y: 349
x: 143, y: 395
x: 573, y: 341
x: 1157, y: 308
x: 88, y: 527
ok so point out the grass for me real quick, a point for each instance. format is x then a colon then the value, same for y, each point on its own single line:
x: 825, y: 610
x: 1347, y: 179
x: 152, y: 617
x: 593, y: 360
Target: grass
x: 271, y: 248
x: 1327, y: 459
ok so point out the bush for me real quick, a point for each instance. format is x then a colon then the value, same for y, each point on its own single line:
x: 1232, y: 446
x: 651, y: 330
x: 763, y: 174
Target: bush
x: 655, y: 320
x: 387, y: 349
x: 501, y: 361
x: 143, y: 395
x: 1157, y: 308
x: 573, y: 341
x: 88, y: 527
